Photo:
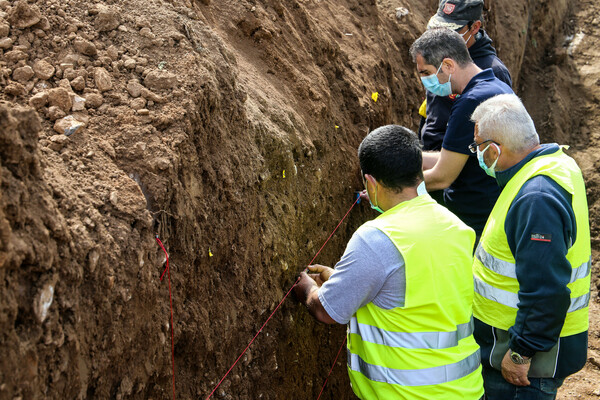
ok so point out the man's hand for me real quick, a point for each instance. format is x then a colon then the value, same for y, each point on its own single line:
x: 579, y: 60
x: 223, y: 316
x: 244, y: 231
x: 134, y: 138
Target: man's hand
x: 306, y: 290
x: 515, y: 373
x: 304, y: 287
x: 364, y: 195
x: 320, y: 273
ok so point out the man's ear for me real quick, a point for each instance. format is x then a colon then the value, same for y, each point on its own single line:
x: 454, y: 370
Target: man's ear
x: 476, y: 27
x: 449, y: 66
x: 371, y: 179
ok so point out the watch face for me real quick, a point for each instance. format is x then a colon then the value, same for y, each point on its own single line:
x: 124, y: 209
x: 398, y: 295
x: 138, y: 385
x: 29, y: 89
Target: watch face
x: 517, y: 358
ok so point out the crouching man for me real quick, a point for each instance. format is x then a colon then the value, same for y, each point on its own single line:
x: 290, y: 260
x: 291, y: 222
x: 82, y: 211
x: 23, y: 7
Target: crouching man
x: 408, y: 307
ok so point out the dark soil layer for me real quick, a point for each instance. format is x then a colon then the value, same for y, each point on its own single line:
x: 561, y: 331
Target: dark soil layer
x: 229, y: 129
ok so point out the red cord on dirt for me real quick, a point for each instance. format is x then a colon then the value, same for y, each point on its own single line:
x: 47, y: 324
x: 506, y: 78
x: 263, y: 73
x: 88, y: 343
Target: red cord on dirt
x: 333, y: 365
x: 280, y: 303
x: 167, y: 269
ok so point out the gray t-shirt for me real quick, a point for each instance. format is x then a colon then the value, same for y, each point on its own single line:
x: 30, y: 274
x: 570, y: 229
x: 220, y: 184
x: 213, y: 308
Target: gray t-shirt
x: 370, y: 271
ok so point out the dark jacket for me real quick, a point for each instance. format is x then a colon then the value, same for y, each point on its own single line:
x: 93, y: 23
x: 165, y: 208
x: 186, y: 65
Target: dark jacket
x: 543, y: 206
x: 438, y: 108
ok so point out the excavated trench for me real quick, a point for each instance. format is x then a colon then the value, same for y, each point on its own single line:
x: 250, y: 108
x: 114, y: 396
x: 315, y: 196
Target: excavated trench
x: 229, y: 129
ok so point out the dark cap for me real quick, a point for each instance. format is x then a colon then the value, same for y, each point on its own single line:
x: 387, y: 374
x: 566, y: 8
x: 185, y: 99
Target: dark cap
x: 454, y: 14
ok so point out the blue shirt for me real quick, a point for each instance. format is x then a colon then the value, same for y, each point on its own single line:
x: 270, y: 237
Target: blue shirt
x: 370, y: 271
x: 473, y: 194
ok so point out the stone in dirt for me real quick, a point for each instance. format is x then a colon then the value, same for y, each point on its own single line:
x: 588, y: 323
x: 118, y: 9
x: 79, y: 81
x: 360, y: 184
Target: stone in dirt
x: 93, y: 100
x: 43, y: 70
x: 138, y: 104
x: 15, y: 89
x: 149, y: 95
x: 107, y: 19
x: 57, y: 142
x: 102, y: 79
x: 158, y: 79
x: 38, y: 100
x: 60, y: 98
x: 23, y: 74
x: 24, y: 15
x: 67, y: 125
x: 78, y: 103
x: 85, y: 47
x: 78, y: 83
x: 134, y: 88
x: 55, y: 113
x: 6, y: 43
x: 4, y: 30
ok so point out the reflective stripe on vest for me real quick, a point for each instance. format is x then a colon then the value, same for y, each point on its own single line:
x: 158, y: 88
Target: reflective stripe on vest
x: 411, y: 340
x: 415, y: 377
x: 511, y: 300
x: 508, y: 269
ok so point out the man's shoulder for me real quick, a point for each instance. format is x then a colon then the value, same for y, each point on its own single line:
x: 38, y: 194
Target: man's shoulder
x: 482, y: 89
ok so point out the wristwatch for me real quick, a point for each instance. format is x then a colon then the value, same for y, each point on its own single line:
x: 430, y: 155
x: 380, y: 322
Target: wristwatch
x: 518, y: 359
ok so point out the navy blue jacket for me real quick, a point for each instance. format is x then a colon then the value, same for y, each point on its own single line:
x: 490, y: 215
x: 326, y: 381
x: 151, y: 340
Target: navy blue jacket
x: 473, y: 194
x: 438, y: 108
x: 541, y: 206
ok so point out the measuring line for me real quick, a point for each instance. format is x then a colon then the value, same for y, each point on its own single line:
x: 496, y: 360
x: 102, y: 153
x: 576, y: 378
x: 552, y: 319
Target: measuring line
x: 281, y: 302
x: 168, y: 271
x: 333, y: 365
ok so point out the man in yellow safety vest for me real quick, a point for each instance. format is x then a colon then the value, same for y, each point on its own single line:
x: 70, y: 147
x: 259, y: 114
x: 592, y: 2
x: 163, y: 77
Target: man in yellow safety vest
x: 408, y: 308
x: 532, y: 264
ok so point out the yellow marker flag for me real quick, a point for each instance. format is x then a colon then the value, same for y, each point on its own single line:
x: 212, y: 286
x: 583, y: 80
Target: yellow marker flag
x: 284, y: 173
x: 375, y: 96
x: 337, y: 127
x: 210, y: 254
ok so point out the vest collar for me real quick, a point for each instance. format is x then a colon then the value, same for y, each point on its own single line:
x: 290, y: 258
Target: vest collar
x: 502, y: 177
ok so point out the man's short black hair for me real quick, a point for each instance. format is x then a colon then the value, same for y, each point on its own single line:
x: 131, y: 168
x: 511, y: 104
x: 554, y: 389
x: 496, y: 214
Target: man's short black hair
x: 392, y: 155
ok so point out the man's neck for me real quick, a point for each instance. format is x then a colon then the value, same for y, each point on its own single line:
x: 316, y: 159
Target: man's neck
x: 391, y: 199
x: 466, y: 74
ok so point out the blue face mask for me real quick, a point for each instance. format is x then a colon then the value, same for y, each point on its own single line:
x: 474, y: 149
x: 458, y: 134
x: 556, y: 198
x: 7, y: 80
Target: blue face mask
x: 491, y: 169
x: 433, y: 85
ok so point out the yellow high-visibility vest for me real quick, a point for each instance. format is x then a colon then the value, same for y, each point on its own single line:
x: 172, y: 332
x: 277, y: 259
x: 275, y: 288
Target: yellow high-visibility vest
x: 424, y: 350
x: 494, y: 269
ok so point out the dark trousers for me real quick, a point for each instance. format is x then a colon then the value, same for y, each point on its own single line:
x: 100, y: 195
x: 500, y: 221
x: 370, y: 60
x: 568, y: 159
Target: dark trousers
x: 497, y: 388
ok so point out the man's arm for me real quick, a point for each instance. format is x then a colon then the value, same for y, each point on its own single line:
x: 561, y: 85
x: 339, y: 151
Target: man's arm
x: 446, y: 169
x: 430, y: 158
x: 307, y: 293
x: 543, y: 271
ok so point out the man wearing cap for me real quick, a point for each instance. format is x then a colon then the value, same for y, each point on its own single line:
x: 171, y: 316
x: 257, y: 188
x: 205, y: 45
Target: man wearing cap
x: 464, y: 17
x: 445, y: 67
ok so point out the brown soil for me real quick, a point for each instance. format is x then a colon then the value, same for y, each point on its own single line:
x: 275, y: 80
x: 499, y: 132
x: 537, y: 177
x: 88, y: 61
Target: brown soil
x: 229, y: 129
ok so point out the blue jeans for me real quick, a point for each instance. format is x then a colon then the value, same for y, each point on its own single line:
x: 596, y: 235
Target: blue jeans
x: 497, y: 388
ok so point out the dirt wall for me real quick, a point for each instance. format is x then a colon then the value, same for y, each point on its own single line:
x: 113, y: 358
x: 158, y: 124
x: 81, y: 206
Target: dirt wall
x: 229, y: 129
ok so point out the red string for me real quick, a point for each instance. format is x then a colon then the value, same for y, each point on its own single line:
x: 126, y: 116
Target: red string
x: 281, y: 302
x: 334, y: 361
x: 171, y: 306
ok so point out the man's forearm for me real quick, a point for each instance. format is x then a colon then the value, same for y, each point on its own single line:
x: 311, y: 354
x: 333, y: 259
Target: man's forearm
x: 433, y: 181
x: 430, y: 159
x: 307, y: 293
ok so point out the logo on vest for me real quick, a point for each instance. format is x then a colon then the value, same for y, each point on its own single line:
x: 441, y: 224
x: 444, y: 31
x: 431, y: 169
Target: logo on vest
x: 541, y: 237
x: 449, y: 8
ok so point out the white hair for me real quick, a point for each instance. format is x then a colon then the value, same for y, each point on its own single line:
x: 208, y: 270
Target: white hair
x: 503, y: 118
